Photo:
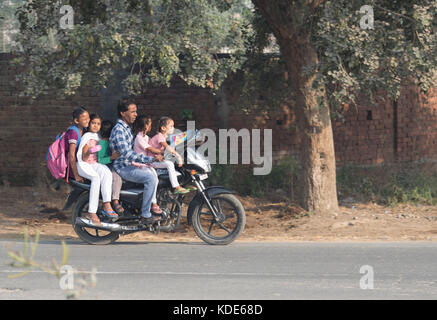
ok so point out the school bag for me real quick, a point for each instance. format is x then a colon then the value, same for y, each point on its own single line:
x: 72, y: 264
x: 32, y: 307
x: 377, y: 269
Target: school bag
x: 57, y: 162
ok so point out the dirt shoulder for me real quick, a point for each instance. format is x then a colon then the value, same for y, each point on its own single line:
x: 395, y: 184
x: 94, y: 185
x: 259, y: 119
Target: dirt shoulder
x: 273, y: 219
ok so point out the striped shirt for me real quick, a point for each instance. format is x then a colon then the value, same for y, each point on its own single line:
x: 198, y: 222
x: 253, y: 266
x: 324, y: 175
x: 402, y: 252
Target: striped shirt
x: 122, y: 140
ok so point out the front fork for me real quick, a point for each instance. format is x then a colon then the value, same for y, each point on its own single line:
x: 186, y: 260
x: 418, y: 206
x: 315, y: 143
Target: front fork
x: 217, y: 213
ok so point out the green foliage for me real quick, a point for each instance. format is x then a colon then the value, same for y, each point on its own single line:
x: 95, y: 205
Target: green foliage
x: 388, y: 186
x: 261, y: 80
x: 9, y: 26
x: 261, y: 83
x: 352, y: 61
x: 187, y: 114
x: 25, y: 260
x: 153, y: 41
x: 401, y: 47
x: 157, y: 40
x: 241, y: 178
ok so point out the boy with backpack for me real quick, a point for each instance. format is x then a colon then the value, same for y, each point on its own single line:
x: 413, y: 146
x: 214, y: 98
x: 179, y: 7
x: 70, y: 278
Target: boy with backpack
x: 61, y: 155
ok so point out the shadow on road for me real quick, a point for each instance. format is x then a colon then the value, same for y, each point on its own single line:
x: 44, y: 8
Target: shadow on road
x: 73, y: 242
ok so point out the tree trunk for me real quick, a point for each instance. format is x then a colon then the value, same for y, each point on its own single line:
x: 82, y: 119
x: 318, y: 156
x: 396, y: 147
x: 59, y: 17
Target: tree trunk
x: 318, y: 180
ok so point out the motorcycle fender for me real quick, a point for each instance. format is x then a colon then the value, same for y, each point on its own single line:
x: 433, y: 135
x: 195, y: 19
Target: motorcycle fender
x: 198, y: 198
x: 72, y: 197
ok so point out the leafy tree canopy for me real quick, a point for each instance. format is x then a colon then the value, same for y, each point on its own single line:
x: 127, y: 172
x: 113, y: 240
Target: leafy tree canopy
x: 400, y: 46
x: 154, y: 41
x: 157, y: 40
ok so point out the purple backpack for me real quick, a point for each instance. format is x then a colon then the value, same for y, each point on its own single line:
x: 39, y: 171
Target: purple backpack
x: 57, y: 162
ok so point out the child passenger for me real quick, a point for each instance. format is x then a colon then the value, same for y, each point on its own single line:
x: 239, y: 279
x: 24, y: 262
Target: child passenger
x: 157, y: 145
x: 104, y: 157
x: 81, y: 119
x: 140, y: 144
x: 99, y: 174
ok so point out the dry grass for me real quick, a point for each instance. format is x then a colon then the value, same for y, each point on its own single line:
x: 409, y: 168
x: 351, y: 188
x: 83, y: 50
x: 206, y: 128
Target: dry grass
x: 273, y: 219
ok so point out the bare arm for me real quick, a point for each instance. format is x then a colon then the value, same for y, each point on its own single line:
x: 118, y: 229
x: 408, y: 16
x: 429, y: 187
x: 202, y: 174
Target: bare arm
x: 72, y: 162
x: 168, y: 147
x: 173, y: 151
x: 115, y: 155
x: 85, y: 152
x: 154, y: 150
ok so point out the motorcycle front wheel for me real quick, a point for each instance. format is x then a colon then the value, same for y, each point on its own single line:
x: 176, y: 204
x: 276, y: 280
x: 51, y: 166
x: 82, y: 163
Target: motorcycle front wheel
x: 216, y: 233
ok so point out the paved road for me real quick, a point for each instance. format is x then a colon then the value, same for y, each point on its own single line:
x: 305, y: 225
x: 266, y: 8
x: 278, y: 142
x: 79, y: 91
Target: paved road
x: 307, y: 270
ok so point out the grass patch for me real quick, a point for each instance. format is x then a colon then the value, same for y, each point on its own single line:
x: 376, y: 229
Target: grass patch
x: 390, y: 185
x: 386, y: 185
x: 240, y: 178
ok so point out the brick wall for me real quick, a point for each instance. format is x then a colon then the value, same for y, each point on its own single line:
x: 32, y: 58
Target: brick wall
x: 27, y: 129
x: 384, y: 133
x: 369, y: 136
x: 390, y: 131
x: 417, y: 125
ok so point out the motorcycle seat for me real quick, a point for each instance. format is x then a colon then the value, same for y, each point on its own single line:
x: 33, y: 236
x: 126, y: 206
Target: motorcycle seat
x: 163, y: 178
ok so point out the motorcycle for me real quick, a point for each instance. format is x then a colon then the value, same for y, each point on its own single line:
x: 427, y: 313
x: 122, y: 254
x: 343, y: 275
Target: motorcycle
x: 217, y: 216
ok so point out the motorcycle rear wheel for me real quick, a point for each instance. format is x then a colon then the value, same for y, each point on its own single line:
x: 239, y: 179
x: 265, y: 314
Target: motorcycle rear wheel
x: 90, y: 235
x: 209, y: 230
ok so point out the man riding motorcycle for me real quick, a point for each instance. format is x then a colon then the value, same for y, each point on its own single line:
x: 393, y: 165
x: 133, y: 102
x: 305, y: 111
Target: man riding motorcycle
x: 122, y: 140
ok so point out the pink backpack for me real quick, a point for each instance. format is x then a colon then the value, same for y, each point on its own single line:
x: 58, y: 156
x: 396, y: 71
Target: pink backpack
x: 57, y: 162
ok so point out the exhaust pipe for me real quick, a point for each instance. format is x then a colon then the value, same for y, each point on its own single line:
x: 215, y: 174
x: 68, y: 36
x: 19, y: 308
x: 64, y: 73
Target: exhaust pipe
x: 87, y: 223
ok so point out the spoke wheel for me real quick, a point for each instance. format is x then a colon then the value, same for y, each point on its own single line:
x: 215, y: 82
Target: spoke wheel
x: 220, y: 232
x: 90, y: 235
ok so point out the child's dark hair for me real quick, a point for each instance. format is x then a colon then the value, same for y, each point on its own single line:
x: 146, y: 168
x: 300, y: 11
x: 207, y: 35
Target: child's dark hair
x: 78, y: 111
x: 95, y: 116
x: 163, y: 121
x: 141, y: 122
x: 106, y: 128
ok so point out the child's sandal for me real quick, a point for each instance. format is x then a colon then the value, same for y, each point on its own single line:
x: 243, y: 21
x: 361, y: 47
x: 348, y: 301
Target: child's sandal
x: 181, y: 191
x: 118, y: 208
x: 94, y: 218
x: 110, y: 214
x: 156, y: 210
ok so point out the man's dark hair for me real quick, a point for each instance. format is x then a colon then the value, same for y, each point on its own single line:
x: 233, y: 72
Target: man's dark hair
x: 124, y: 104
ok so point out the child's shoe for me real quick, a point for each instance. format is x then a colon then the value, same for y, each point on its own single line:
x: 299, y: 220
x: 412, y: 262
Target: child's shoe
x: 181, y: 190
x: 118, y: 208
x: 191, y: 188
x: 156, y: 210
x: 94, y: 218
x: 110, y: 214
